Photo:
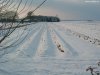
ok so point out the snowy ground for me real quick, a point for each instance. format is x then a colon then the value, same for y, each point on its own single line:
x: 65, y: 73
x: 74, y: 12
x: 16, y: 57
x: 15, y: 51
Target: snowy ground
x: 65, y: 48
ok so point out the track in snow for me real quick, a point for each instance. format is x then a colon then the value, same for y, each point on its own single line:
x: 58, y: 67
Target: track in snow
x: 40, y: 53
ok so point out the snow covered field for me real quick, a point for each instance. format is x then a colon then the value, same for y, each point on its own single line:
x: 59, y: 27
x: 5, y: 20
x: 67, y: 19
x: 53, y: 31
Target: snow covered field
x: 65, y: 48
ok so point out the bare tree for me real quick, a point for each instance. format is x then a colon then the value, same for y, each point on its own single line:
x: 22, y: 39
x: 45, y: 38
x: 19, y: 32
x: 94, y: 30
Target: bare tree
x: 7, y: 28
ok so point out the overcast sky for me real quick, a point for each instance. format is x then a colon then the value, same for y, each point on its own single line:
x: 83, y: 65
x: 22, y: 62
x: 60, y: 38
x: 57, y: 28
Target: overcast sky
x: 68, y: 9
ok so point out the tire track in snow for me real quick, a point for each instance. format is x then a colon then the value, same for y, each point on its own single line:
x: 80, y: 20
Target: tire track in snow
x: 25, y: 45
x: 32, y: 48
x: 50, y: 52
x: 52, y: 47
x: 68, y: 46
x: 28, y: 31
x: 71, y: 49
x: 61, y: 51
x: 87, y: 52
x: 49, y: 66
x: 42, y: 45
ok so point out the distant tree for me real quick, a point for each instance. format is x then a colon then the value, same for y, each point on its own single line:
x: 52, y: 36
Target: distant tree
x: 29, y: 13
x: 9, y: 15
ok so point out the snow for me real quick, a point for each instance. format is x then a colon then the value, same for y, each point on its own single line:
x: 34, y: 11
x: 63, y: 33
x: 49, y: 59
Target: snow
x: 86, y: 30
x: 51, y: 49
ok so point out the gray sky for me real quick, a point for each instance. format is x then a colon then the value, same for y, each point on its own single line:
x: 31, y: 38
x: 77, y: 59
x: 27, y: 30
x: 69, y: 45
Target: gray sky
x: 68, y: 9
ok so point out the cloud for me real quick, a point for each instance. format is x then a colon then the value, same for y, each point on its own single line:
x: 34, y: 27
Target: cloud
x: 67, y: 9
x: 53, y: 12
x: 70, y: 1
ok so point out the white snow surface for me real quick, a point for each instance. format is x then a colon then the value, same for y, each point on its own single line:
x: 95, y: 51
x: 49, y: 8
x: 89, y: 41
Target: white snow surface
x: 40, y: 54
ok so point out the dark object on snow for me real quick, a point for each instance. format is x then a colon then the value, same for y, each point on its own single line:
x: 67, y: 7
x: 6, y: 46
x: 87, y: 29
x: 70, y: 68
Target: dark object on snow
x: 91, y: 70
x: 59, y: 47
x: 98, y: 63
x: 97, y: 73
x: 62, y: 50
